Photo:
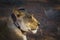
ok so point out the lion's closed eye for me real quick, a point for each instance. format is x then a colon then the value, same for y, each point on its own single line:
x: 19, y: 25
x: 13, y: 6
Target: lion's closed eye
x: 18, y: 15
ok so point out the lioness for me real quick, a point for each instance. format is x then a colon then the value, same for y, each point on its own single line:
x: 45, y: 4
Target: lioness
x: 25, y: 23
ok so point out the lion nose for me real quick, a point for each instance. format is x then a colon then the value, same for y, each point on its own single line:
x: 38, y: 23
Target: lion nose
x: 38, y: 24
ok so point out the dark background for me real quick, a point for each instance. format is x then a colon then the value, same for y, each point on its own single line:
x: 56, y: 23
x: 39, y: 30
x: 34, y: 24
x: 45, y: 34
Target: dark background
x: 46, y: 11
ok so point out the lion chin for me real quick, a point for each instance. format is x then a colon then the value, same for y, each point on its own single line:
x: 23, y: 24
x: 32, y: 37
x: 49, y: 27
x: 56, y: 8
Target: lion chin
x: 35, y: 31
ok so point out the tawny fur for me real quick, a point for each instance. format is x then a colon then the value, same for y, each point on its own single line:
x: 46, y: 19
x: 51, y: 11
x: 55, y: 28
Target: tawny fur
x: 26, y: 21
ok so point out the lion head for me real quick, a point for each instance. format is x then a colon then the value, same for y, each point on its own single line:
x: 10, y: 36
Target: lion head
x: 26, y: 21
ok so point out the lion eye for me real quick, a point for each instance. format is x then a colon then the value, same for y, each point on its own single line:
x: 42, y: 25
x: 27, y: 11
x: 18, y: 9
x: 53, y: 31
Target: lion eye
x: 18, y: 15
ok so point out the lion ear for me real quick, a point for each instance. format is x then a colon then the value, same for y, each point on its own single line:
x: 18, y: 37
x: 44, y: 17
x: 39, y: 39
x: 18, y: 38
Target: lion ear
x: 17, y: 12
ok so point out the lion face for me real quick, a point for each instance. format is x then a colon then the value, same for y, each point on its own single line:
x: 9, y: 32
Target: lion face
x: 26, y: 21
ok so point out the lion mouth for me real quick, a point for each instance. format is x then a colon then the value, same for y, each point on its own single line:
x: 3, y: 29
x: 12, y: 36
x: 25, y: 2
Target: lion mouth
x: 35, y: 31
